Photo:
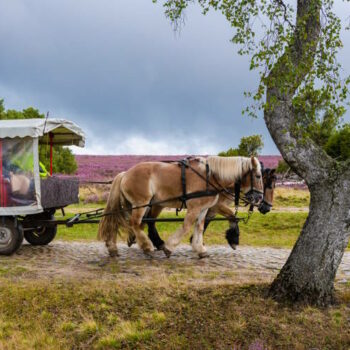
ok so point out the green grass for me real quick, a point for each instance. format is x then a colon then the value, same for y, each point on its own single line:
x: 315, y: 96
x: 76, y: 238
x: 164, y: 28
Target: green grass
x: 112, y: 315
x: 291, y: 201
x: 289, y: 197
x: 274, y: 230
x: 83, y: 206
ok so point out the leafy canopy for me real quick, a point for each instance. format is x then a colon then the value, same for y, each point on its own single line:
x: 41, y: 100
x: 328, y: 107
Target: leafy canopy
x: 248, y: 146
x: 264, y: 30
x: 338, y: 144
x: 63, y: 158
x: 282, y: 167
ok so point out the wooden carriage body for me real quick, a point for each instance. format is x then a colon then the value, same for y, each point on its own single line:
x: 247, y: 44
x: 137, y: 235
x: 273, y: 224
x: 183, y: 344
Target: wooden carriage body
x: 25, y: 195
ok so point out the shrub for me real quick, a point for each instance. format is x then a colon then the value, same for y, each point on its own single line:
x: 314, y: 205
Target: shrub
x: 104, y: 196
x: 338, y: 145
x: 92, y: 198
x: 248, y: 146
x: 282, y: 167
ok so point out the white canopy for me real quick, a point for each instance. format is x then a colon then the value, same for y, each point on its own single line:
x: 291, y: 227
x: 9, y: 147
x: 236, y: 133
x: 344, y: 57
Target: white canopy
x: 64, y: 132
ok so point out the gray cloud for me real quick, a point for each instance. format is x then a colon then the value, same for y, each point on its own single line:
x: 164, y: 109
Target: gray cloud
x: 117, y: 69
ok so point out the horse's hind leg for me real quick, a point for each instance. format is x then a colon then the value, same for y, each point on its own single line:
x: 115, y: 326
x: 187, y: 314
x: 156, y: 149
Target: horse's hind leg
x: 136, y: 224
x: 197, y: 240
x: 131, y: 238
x: 111, y: 245
x: 153, y: 234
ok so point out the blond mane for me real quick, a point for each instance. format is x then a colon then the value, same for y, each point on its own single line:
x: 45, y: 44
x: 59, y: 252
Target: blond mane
x: 231, y: 168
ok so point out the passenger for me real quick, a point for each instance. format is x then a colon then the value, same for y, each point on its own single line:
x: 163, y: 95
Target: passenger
x: 21, y: 169
x: 24, y: 162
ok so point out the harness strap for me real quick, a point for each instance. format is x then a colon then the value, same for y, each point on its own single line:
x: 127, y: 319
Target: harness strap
x: 200, y: 194
x: 207, y: 174
x: 184, y: 164
x: 183, y: 182
x: 186, y: 196
x: 237, y: 192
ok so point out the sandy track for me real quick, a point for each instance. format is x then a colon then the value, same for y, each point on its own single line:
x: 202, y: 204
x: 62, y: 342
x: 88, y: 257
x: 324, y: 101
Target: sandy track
x: 78, y: 260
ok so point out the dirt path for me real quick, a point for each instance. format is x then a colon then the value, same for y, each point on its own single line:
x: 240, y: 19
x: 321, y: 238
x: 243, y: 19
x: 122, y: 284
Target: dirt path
x: 77, y: 260
x: 290, y: 209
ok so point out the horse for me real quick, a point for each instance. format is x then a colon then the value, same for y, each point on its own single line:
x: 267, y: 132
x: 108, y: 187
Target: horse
x: 160, y: 184
x: 223, y: 208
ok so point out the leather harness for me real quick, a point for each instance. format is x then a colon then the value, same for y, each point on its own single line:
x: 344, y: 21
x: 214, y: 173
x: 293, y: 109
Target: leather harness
x: 187, y: 196
x: 184, y: 163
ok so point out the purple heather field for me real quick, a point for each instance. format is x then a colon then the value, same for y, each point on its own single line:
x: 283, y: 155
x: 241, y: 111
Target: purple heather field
x: 104, y: 168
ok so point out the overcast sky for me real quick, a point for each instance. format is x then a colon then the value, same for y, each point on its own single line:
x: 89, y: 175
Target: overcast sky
x: 117, y: 69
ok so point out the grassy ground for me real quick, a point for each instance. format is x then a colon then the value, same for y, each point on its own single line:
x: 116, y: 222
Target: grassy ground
x: 290, y: 197
x: 173, y: 310
x: 273, y: 229
x: 164, y: 314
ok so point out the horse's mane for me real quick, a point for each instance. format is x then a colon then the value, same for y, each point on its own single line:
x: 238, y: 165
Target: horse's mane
x: 230, y: 168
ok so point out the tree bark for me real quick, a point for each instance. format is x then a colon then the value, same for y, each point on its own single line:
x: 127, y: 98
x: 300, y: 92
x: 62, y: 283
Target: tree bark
x: 309, y: 273
x: 308, y: 276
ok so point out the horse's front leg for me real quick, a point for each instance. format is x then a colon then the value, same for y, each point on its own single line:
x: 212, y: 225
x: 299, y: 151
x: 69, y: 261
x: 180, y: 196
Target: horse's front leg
x: 221, y: 209
x: 232, y: 234
x: 175, y: 238
x: 210, y: 215
x: 197, y: 239
x: 152, y: 230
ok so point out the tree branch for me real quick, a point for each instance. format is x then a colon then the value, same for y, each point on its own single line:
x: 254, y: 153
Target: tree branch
x: 303, y: 155
x: 285, y: 11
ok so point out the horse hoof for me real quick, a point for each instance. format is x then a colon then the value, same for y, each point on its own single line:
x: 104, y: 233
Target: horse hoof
x: 166, y: 251
x: 203, y: 255
x: 233, y: 246
x: 113, y: 253
x: 131, y: 242
x: 161, y: 247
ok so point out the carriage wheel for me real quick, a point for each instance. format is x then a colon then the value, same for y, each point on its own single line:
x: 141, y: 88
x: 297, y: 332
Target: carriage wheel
x: 41, y: 235
x: 11, y: 235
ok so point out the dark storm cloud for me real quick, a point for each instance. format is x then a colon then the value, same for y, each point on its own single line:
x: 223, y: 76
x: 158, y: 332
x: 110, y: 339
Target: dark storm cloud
x: 117, y: 68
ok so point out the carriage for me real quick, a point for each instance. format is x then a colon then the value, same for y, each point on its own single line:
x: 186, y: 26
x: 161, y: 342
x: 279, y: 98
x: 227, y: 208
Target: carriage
x: 27, y: 195
x: 29, y: 198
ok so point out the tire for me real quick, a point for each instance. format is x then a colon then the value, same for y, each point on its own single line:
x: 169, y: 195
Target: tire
x: 41, y: 235
x: 11, y: 235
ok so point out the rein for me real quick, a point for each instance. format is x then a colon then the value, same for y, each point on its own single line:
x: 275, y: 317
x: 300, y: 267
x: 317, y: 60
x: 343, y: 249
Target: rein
x: 268, y: 186
x: 223, y: 190
x: 183, y: 198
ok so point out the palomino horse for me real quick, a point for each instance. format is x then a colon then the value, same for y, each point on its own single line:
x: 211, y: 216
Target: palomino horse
x: 156, y: 183
x: 223, y: 208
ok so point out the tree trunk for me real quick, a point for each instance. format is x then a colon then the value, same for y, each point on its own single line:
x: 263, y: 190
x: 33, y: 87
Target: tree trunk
x: 308, y: 276
x: 309, y: 273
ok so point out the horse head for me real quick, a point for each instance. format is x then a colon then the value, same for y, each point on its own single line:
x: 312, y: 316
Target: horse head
x: 252, y: 183
x: 269, y: 180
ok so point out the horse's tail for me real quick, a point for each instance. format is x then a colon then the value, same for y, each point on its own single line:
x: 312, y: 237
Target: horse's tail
x: 115, y: 213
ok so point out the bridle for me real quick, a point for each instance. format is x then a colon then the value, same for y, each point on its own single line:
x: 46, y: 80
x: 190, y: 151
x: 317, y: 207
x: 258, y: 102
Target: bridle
x: 268, y: 185
x: 236, y: 196
x: 253, y: 190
